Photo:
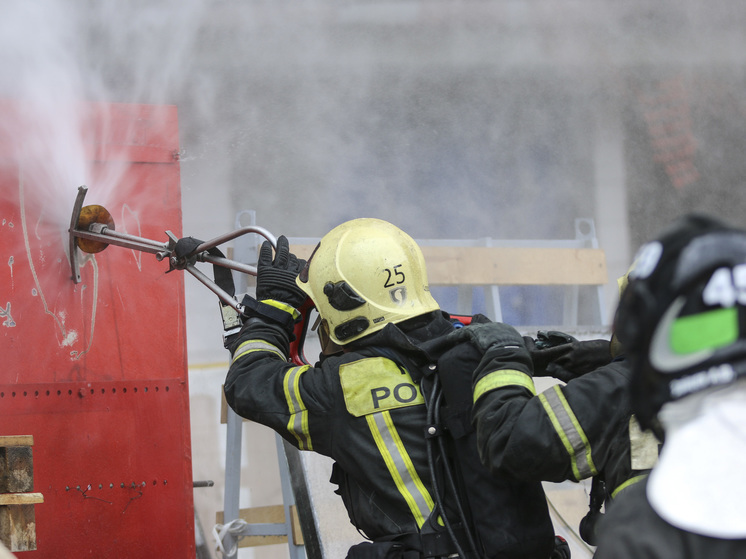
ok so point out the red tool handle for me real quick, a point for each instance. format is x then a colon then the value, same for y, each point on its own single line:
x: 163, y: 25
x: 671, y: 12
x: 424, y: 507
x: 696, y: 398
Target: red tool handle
x: 463, y: 319
x: 301, y: 328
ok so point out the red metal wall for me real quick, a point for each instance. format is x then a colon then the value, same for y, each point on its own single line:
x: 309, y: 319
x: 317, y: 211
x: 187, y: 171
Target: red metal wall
x: 97, y: 372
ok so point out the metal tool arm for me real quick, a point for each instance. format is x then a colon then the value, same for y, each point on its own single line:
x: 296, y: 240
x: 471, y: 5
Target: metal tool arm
x: 105, y: 234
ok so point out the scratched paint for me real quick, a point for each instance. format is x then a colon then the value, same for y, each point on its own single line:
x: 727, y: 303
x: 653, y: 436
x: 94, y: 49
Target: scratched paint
x: 94, y: 298
x: 5, y: 313
x: 67, y: 336
x: 127, y: 216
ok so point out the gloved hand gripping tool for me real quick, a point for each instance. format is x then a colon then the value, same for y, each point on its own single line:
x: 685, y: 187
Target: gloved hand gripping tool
x: 92, y: 229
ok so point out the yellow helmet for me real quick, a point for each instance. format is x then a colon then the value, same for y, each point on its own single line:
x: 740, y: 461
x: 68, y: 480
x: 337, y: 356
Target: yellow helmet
x: 364, y: 274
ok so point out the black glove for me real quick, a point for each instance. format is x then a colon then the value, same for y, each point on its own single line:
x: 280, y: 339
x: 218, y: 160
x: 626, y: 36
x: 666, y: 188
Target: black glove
x: 488, y: 334
x: 275, y: 278
x: 559, y: 355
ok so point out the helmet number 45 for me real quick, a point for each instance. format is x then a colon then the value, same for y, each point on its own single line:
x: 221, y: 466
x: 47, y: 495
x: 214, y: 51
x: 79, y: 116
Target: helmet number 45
x: 726, y: 288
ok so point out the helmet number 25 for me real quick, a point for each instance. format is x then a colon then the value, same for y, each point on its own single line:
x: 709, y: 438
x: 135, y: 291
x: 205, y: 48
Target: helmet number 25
x: 394, y: 276
x: 725, y: 288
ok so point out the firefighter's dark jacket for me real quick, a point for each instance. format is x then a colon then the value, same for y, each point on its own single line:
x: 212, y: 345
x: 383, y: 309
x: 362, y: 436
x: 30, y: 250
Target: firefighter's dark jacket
x: 568, y: 432
x: 631, y: 529
x: 365, y: 410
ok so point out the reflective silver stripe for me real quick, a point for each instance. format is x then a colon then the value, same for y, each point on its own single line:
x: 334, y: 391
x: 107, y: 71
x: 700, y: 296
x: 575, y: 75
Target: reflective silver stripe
x: 400, y: 466
x: 570, y: 432
x: 250, y: 346
x: 298, y: 422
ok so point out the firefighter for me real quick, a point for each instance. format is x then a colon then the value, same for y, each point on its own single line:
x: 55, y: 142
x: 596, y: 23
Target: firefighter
x: 680, y: 320
x: 582, y: 429
x: 365, y: 403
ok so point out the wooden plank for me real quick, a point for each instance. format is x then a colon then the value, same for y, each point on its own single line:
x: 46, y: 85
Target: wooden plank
x: 18, y: 527
x: 515, y: 266
x: 16, y: 469
x: 17, y: 440
x: 451, y: 265
x: 224, y: 408
x: 274, y: 514
x: 295, y: 526
x: 12, y: 499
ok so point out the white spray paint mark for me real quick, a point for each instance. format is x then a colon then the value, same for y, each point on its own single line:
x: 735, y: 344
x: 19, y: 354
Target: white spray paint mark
x: 37, y: 290
x: 92, y: 259
x: 137, y: 254
x: 36, y: 229
x: 5, y: 313
x: 70, y: 339
x: 67, y: 337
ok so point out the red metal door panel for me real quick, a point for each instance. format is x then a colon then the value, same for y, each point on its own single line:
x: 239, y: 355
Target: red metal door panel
x: 97, y: 371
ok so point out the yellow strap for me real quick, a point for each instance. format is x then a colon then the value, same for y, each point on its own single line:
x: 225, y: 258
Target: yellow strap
x: 500, y: 379
x: 290, y: 309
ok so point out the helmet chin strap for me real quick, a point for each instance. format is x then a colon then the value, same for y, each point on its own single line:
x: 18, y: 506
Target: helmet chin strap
x: 328, y: 347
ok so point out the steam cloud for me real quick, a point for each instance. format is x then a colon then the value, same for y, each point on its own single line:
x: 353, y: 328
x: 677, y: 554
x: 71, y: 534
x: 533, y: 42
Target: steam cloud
x: 58, y: 57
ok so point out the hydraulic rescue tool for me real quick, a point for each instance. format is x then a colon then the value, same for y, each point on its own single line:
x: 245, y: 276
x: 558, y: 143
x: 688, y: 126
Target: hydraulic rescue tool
x: 92, y: 229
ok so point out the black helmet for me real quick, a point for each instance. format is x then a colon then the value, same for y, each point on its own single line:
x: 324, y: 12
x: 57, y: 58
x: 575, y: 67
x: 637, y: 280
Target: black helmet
x: 682, y: 318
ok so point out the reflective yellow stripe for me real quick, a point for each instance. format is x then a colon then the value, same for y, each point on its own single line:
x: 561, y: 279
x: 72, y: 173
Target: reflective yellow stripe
x: 400, y: 465
x: 291, y: 310
x: 627, y: 483
x: 570, y: 432
x: 298, y: 422
x: 250, y: 346
x: 499, y: 379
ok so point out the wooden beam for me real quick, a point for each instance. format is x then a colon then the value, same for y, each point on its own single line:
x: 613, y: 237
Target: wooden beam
x: 274, y: 514
x: 450, y: 265
x: 224, y: 408
x: 18, y: 523
x: 17, y: 440
x: 16, y: 469
x: 17, y: 516
x: 21, y: 499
